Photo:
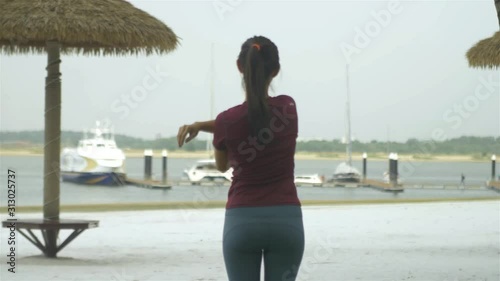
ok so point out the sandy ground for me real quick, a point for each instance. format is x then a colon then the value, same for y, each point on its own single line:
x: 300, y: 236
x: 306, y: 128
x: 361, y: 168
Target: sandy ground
x: 425, y: 241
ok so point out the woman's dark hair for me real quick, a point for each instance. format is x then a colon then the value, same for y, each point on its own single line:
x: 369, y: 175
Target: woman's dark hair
x: 259, y: 62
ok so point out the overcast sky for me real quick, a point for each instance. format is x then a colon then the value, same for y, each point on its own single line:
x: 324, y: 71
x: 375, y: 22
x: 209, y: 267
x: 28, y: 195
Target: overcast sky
x: 408, y: 71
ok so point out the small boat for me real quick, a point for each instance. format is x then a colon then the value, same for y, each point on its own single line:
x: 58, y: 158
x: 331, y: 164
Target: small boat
x: 96, y: 161
x: 204, y: 170
x: 345, y: 172
x: 312, y: 179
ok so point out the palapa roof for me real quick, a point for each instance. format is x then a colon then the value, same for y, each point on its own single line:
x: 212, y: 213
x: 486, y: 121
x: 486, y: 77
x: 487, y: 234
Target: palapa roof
x: 91, y: 27
x: 486, y: 53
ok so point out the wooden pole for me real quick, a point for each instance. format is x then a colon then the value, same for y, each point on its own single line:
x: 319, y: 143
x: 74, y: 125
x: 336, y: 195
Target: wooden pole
x: 52, y: 144
x: 164, y: 170
x: 493, y: 167
x: 364, y: 165
x: 148, y: 164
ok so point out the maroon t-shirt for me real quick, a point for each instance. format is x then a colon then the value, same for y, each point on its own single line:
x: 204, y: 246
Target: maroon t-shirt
x: 263, y: 172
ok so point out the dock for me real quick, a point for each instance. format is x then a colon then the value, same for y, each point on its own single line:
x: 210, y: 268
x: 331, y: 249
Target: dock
x: 382, y: 186
x: 367, y: 183
x: 150, y: 184
x: 495, y: 185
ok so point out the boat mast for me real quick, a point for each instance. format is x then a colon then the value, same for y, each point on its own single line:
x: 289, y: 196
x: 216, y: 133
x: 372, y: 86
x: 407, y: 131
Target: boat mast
x: 348, y: 119
x: 212, y: 79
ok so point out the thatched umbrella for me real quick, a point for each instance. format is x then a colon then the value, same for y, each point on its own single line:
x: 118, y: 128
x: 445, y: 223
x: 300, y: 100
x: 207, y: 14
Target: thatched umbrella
x: 89, y: 27
x: 486, y: 53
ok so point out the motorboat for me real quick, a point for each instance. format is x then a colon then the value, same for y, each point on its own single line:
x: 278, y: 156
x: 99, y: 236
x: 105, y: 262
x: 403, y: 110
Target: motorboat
x: 95, y: 161
x: 206, y: 170
x: 310, y: 179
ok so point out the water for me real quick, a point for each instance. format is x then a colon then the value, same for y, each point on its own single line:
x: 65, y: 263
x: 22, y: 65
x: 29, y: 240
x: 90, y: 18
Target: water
x: 29, y: 182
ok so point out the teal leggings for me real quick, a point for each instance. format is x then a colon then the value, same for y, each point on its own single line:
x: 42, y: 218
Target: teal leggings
x: 275, y: 234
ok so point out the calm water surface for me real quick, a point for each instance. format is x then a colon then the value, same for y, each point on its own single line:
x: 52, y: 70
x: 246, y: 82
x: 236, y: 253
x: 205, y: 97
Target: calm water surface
x: 29, y: 171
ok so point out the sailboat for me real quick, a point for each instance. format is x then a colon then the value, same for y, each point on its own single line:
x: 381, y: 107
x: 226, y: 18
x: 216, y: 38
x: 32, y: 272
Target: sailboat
x: 205, y: 169
x: 345, y: 172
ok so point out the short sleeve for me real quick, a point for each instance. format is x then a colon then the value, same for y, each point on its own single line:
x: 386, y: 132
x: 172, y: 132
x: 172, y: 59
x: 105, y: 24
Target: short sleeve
x: 290, y: 113
x: 219, y: 141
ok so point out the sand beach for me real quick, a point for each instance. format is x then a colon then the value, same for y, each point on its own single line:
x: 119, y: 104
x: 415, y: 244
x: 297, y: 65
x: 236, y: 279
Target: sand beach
x: 407, y: 241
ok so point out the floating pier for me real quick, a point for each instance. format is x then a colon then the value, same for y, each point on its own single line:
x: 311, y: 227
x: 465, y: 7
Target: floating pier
x: 148, y: 181
x: 150, y: 184
x: 495, y: 185
x: 383, y: 186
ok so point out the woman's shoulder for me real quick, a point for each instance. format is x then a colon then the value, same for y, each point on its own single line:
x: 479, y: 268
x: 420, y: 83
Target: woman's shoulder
x: 283, y: 100
x: 233, y: 112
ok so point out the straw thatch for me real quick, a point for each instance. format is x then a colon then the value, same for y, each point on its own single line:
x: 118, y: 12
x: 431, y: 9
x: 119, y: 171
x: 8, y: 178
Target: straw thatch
x: 81, y: 26
x: 486, y: 53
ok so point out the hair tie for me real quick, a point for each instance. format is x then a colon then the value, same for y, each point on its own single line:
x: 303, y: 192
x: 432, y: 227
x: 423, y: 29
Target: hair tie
x: 257, y: 46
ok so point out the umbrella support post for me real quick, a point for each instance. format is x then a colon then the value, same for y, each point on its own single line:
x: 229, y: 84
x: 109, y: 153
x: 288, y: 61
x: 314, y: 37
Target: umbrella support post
x: 50, y: 237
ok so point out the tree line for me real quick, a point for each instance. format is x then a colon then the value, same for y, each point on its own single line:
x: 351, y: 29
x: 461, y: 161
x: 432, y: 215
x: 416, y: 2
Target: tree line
x: 481, y: 146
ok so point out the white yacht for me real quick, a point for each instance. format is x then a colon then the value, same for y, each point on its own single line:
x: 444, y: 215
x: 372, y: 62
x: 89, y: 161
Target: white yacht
x: 309, y: 179
x: 204, y: 170
x: 96, y: 161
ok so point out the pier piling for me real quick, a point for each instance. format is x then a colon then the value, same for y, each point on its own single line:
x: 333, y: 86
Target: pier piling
x: 148, y: 164
x: 164, y: 170
x: 493, y: 167
x: 364, y: 165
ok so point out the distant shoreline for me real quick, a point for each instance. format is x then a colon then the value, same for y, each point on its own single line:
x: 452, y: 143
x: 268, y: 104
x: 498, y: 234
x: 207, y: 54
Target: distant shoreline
x: 137, y: 153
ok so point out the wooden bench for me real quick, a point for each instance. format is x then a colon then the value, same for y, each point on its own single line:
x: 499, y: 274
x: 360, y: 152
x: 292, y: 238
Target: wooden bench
x: 50, y: 248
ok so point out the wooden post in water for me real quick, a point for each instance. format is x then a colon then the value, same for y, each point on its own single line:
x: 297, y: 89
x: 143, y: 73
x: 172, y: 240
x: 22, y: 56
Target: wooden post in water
x: 395, y: 170
x: 164, y: 170
x: 391, y: 167
x: 148, y: 164
x: 364, y: 165
x: 493, y: 167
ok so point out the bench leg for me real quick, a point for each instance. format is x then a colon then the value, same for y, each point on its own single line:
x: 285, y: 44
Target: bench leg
x: 69, y: 239
x: 33, y: 239
x: 50, y: 249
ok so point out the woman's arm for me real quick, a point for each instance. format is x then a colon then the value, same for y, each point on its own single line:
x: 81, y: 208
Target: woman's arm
x: 206, y: 126
x: 221, y: 161
x: 191, y: 131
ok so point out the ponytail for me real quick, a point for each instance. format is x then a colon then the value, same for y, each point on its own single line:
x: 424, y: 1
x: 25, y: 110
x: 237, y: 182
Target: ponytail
x: 256, y: 84
x: 259, y: 63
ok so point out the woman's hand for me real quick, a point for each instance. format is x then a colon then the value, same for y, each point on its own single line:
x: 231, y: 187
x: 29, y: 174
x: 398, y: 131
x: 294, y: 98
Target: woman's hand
x: 189, y: 131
